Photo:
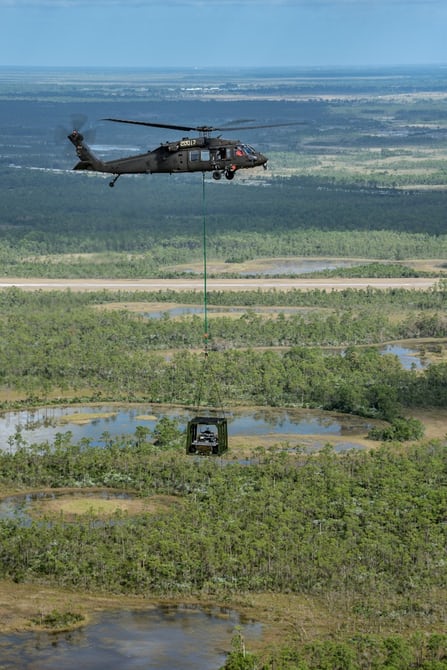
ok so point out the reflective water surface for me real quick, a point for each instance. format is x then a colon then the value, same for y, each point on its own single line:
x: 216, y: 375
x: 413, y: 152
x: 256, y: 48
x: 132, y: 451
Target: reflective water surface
x: 18, y: 506
x: 165, y: 638
x: 408, y: 358
x: 39, y: 425
x: 303, y: 266
x: 278, y: 266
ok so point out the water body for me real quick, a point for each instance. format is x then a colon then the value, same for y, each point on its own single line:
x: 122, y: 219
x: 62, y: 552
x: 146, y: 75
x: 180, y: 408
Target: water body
x: 293, y: 266
x: 408, y: 358
x: 40, y: 425
x: 18, y: 507
x: 165, y: 638
x: 298, y: 267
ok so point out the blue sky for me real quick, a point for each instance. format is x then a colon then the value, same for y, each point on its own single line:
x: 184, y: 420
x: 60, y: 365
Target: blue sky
x: 157, y: 33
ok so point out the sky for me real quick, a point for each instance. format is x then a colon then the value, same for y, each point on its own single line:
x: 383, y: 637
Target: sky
x: 235, y: 33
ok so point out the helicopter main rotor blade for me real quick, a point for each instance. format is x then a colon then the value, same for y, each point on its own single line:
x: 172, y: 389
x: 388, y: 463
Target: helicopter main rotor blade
x: 204, y: 129
x: 266, y: 125
x: 152, y: 125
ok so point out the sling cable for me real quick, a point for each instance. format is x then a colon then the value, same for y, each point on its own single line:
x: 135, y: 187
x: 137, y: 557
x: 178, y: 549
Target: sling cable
x: 206, y: 435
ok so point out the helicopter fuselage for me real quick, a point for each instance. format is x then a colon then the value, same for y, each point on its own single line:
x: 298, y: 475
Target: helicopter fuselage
x: 189, y: 154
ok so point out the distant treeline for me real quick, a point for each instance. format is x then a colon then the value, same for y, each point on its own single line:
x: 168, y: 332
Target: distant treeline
x: 45, y: 214
x: 411, y: 300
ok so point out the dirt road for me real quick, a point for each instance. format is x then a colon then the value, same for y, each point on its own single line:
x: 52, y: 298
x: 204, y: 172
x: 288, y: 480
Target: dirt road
x: 196, y: 284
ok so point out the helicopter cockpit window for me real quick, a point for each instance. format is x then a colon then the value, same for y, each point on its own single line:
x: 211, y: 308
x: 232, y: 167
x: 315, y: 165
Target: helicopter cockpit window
x: 244, y: 150
x: 249, y: 150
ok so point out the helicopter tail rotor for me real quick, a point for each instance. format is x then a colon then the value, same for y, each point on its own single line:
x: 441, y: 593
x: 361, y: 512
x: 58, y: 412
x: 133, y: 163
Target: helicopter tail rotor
x: 78, y: 122
x: 88, y: 160
x: 79, y: 140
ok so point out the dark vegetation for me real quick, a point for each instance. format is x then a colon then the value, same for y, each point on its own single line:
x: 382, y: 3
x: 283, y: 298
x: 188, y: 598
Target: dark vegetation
x: 69, y: 343
x: 45, y: 216
x: 365, y: 532
x: 58, y: 620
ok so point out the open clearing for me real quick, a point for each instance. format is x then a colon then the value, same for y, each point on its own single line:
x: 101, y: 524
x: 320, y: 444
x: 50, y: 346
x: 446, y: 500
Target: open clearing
x: 241, y: 284
x: 72, y: 505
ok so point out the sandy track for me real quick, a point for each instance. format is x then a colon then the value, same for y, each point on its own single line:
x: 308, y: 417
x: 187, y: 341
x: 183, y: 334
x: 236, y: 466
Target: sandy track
x: 196, y: 284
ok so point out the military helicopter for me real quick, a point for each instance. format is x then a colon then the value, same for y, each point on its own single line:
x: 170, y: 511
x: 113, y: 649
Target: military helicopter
x: 190, y: 154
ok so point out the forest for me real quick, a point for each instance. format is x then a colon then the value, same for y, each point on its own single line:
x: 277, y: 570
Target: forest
x: 359, y: 537
x: 66, y: 343
x: 71, y: 226
x: 363, y: 535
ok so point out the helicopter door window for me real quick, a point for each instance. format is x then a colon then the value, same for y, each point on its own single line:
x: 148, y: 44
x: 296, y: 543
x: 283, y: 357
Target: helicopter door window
x: 196, y: 155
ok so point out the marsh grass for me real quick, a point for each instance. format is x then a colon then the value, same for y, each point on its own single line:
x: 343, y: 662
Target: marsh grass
x: 72, y: 506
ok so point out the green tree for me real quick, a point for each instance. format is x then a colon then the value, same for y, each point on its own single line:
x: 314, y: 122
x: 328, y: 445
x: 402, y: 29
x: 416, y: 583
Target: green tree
x: 167, y: 433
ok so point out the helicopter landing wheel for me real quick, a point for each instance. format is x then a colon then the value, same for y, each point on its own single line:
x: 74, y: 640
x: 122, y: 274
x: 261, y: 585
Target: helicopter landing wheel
x: 112, y: 183
x: 217, y: 175
x: 229, y: 174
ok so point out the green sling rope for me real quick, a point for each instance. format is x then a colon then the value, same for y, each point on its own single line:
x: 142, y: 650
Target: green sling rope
x: 205, y: 368
x: 205, y: 298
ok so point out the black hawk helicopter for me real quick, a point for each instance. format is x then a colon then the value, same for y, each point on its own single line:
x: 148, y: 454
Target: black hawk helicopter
x: 190, y: 154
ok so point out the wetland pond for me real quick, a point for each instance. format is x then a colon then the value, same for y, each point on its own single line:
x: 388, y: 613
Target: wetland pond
x: 408, y: 358
x: 97, y: 423
x: 100, y: 423
x: 294, y: 266
x: 162, y: 638
x: 274, y: 266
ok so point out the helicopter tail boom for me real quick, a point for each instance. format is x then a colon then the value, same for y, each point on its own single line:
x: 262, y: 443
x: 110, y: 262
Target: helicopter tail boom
x: 88, y: 160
